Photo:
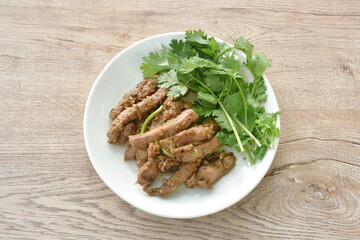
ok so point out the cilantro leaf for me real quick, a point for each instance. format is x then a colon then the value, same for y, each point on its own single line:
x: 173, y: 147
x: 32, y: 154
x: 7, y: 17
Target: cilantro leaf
x: 258, y: 91
x: 230, y: 64
x: 233, y: 103
x: 206, y: 97
x: 170, y: 80
x: 226, y: 138
x: 222, y: 121
x: 266, y: 125
x: 153, y: 64
x: 197, y: 36
x: 212, y: 70
x: 206, y: 51
x: 213, y: 82
x: 177, y: 90
x: 157, y: 62
x: 258, y: 64
x: 204, y: 110
x: 211, y: 49
x: 250, y: 117
x: 181, y: 49
x: 245, y: 46
x: 259, y: 152
x: 214, y: 46
x: 196, y: 62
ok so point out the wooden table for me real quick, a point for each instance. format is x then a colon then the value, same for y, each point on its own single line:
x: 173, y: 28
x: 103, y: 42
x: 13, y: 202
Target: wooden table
x: 52, y: 51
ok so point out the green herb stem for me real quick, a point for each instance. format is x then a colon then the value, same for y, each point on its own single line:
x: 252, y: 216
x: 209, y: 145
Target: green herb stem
x: 232, y: 126
x: 222, y: 52
x: 247, y: 131
x: 150, y: 117
x: 254, y: 81
x: 244, y: 100
x: 254, y: 85
x: 263, y: 141
x: 251, y: 158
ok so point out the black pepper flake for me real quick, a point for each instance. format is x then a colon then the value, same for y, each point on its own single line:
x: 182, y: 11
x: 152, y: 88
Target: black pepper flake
x: 133, y: 95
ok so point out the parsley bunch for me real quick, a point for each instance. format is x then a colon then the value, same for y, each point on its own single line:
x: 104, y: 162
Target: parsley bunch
x: 214, y: 71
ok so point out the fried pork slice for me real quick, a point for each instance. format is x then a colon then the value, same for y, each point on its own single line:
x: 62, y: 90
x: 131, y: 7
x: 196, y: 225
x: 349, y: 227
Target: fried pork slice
x: 172, y: 163
x: 172, y: 183
x: 190, y: 152
x: 195, y: 134
x: 149, y: 171
x: 130, y: 153
x: 217, y: 166
x: 134, y: 112
x: 180, y: 143
x: 128, y: 131
x: 171, y: 127
x: 169, y: 163
x: 141, y: 156
x: 172, y: 108
x: 143, y: 89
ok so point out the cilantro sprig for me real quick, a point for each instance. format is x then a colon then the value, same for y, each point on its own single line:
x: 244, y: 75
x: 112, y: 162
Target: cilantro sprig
x: 214, y: 71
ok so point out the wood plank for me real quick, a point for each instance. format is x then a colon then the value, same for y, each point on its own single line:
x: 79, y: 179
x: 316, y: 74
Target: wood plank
x: 52, y: 51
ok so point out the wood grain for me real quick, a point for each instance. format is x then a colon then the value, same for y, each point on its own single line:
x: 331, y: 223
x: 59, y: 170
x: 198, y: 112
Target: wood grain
x: 52, y: 51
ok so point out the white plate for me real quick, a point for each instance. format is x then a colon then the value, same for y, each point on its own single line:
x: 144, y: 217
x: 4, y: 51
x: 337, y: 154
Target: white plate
x: 120, y: 75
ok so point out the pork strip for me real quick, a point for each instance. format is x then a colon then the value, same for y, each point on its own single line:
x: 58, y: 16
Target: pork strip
x: 133, y: 113
x: 130, y: 153
x: 209, y: 174
x: 194, y: 134
x: 143, y: 89
x: 182, y: 121
x: 172, y: 108
x: 141, y: 156
x: 168, y: 164
x: 172, y: 183
x: 149, y: 171
x: 199, y: 151
x: 128, y: 130
x: 171, y: 163
x: 177, y: 143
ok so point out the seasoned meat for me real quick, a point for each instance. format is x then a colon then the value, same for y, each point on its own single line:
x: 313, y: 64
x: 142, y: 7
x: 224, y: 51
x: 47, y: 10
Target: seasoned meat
x: 140, y: 92
x: 209, y: 174
x: 182, y: 121
x: 130, y: 153
x: 133, y: 113
x: 149, y: 171
x: 172, y: 163
x: 183, y: 149
x: 168, y: 164
x: 172, y: 108
x: 171, y: 184
x: 177, y: 143
x: 128, y: 130
x: 141, y: 156
x: 199, y: 151
x: 194, y: 134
